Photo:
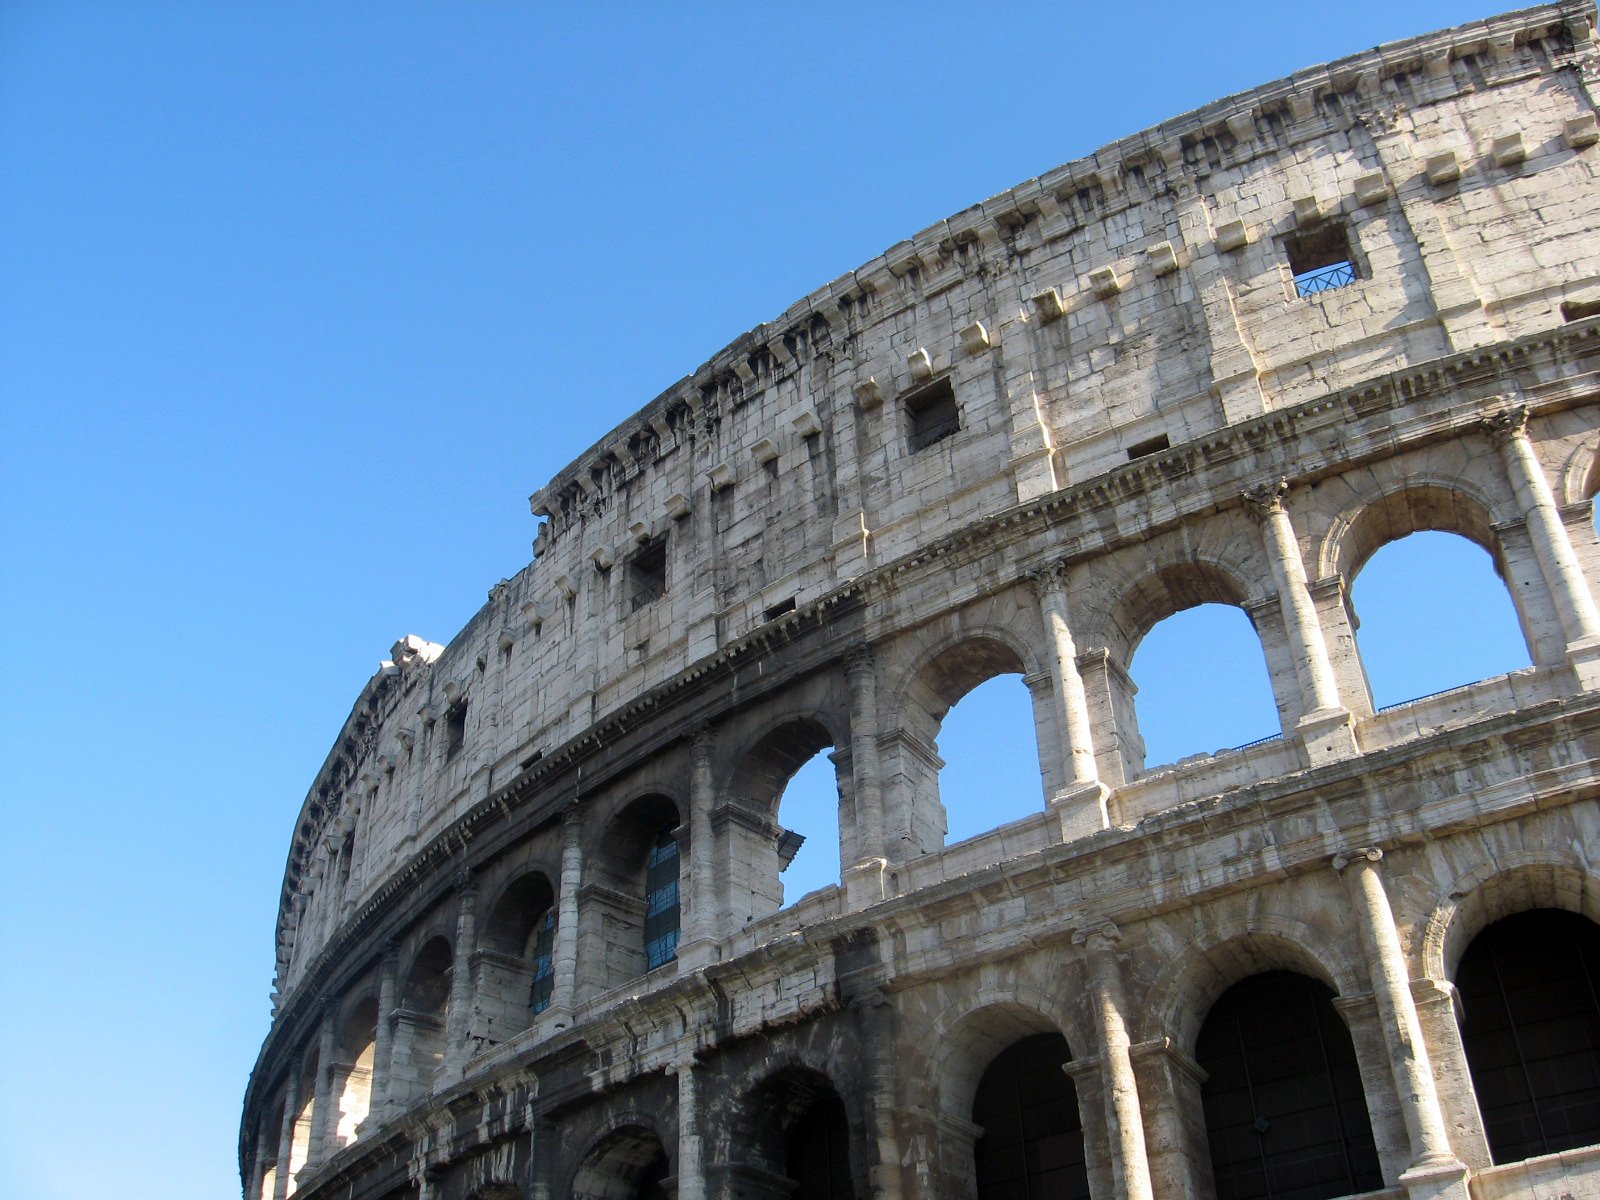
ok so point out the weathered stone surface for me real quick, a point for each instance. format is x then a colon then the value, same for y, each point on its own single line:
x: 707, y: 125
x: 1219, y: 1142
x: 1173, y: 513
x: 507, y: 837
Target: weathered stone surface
x: 1012, y: 444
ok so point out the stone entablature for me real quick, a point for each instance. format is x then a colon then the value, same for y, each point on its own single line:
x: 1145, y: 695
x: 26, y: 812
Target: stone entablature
x: 1011, y: 445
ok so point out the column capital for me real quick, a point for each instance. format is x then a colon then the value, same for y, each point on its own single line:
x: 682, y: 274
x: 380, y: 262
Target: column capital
x: 703, y: 738
x: 465, y: 886
x: 1097, y: 935
x: 1266, y: 498
x: 1507, y: 424
x: 1360, y: 854
x: 860, y: 661
x: 1049, y: 576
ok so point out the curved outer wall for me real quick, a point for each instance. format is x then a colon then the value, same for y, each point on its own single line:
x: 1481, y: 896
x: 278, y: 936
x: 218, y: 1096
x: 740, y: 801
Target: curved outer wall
x: 767, y: 561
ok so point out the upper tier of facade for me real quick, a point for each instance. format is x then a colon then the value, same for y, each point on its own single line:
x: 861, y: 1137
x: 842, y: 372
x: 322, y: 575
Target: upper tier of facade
x: 1138, y: 304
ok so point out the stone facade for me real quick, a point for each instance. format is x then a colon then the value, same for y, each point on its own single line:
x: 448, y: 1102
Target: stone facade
x: 1013, y: 443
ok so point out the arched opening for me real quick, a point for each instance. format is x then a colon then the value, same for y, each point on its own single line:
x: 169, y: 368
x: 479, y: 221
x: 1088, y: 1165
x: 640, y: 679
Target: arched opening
x: 1032, y: 1140
x: 631, y: 910
x: 799, y: 1130
x: 1529, y: 993
x: 515, y: 957
x: 818, y: 1158
x: 784, y: 823
x: 1431, y: 612
x: 990, y: 775
x: 809, y: 812
x: 357, y: 1046
x: 1202, y: 684
x: 628, y: 1164
x: 966, y: 758
x: 420, y: 1020
x: 1285, y: 1113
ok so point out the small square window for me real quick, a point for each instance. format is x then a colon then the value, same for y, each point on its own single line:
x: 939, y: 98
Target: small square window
x: 933, y: 415
x: 1320, y: 259
x: 647, y: 574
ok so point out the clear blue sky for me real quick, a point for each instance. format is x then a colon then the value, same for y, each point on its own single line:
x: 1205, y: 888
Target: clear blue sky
x: 298, y: 302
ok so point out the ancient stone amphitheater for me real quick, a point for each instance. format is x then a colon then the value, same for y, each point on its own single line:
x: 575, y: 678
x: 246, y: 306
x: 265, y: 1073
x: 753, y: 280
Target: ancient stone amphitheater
x: 533, y: 940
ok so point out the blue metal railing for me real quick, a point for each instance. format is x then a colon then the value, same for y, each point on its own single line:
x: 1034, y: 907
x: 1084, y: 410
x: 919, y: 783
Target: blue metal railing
x: 1334, y: 275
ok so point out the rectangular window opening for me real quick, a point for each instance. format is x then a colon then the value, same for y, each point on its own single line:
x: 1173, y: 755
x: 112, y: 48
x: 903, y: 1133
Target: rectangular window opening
x: 647, y: 574
x: 933, y: 415
x: 1319, y: 258
x: 778, y: 609
x: 455, y: 730
x: 1149, y: 446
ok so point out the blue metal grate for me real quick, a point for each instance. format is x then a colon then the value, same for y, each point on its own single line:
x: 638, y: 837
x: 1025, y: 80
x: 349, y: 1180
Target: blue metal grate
x: 1334, y: 275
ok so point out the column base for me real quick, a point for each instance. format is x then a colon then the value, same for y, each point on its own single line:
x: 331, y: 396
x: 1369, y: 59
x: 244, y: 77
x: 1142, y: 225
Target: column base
x: 867, y: 883
x: 1584, y: 659
x: 1328, y: 735
x: 1082, y: 809
x: 696, y: 954
x: 1441, y: 1179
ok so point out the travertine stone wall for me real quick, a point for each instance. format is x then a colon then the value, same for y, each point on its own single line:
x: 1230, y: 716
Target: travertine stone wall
x: 1149, y: 417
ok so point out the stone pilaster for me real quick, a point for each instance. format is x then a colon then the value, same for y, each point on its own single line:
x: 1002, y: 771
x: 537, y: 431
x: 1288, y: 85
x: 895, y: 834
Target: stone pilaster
x: 866, y: 878
x: 698, y: 946
x: 1081, y: 806
x: 324, y: 1117
x: 564, y: 960
x: 1130, y: 1168
x: 457, y: 1044
x: 291, y: 1107
x: 1434, y: 1169
x: 383, y: 1047
x: 1558, y: 562
x: 1325, y: 727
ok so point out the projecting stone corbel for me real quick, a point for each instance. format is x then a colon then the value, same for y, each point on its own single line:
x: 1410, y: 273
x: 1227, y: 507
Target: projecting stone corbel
x: 539, y: 503
x: 1581, y: 131
x: 805, y: 423
x: 1442, y: 168
x: 1307, y: 210
x: 1163, y: 258
x: 602, y: 557
x: 741, y: 368
x: 720, y: 477
x: 565, y: 587
x: 1105, y: 282
x: 677, y: 506
x: 920, y: 364
x: 765, y: 451
x: 1508, y: 149
x: 639, y: 532
x: 975, y: 338
x: 1048, y: 305
x: 1232, y: 235
x: 868, y: 394
x: 1371, y: 188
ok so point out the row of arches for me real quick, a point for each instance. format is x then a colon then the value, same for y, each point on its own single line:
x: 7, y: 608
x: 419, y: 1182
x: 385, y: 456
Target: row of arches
x: 1278, y: 1096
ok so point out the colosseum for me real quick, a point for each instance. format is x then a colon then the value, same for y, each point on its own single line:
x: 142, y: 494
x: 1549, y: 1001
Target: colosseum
x: 533, y: 939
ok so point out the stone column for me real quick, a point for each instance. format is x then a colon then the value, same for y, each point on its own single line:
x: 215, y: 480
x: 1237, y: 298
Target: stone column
x: 383, y: 1042
x: 1441, y: 1033
x: 1324, y: 724
x: 698, y: 946
x: 1081, y: 806
x: 1130, y: 1170
x: 691, y: 1181
x: 1558, y: 563
x: 1434, y: 1169
x: 875, y: 1031
x: 564, y: 959
x: 867, y: 879
x: 291, y: 1110
x: 457, y: 1049
x: 323, y: 1118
